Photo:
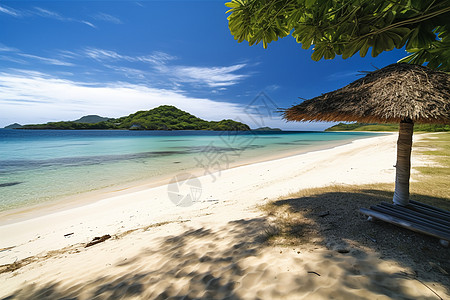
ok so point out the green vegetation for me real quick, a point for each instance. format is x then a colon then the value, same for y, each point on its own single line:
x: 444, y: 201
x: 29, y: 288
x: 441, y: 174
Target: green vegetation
x: 164, y: 117
x: 13, y: 126
x: 432, y: 179
x: 70, y: 125
x: 91, y: 119
x: 345, y: 27
x: 386, y: 127
x: 267, y: 129
x: 302, y: 217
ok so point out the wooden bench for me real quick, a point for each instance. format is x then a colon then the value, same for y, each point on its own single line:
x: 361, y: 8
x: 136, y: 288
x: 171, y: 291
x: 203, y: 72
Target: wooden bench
x: 415, y: 216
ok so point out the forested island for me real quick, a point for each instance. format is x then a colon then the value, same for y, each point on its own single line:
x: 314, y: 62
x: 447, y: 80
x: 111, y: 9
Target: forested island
x: 386, y: 127
x: 165, y: 117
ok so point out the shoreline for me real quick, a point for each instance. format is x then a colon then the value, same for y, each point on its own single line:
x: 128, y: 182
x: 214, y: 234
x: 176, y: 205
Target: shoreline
x: 255, y: 183
x: 19, y: 214
x: 219, y: 246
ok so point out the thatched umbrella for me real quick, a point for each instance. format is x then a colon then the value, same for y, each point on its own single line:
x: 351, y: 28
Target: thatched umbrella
x: 398, y: 93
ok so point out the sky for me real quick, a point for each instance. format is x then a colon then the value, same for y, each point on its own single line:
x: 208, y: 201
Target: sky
x: 60, y: 60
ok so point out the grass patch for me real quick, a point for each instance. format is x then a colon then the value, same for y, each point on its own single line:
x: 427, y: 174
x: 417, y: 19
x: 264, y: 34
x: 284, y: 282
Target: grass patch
x: 433, y: 180
x: 297, y: 218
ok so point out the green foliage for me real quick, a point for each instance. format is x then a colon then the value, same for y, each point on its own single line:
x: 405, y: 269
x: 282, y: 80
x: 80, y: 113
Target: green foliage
x: 70, y: 126
x: 91, y: 119
x: 164, y: 117
x: 13, y: 126
x: 344, y: 27
x: 386, y: 127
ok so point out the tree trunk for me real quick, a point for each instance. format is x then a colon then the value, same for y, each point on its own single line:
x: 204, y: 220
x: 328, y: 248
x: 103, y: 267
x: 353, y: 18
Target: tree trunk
x: 403, y: 166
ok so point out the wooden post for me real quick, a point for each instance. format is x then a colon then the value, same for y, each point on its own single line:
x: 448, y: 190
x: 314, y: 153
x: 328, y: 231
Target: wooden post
x: 403, y: 165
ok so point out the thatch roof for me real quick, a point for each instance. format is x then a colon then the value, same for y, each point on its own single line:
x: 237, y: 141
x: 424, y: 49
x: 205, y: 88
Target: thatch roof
x: 388, y: 95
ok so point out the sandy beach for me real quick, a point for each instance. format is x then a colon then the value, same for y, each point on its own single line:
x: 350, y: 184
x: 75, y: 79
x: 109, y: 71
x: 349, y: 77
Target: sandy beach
x: 213, y: 249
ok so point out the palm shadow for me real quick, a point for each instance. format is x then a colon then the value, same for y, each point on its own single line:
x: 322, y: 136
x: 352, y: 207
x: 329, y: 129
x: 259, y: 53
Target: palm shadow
x: 335, y: 217
x: 198, y: 264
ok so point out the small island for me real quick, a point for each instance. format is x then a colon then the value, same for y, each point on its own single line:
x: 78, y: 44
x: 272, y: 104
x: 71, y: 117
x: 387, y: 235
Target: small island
x: 267, y: 129
x: 165, y: 117
x: 13, y: 126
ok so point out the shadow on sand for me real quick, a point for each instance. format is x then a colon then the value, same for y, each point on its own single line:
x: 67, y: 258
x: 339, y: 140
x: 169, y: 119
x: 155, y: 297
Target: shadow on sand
x: 237, y: 261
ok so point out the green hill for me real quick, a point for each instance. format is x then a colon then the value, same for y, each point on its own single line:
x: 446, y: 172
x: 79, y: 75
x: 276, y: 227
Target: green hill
x: 13, y: 126
x: 92, y: 119
x: 386, y: 127
x: 165, y: 117
x: 266, y: 129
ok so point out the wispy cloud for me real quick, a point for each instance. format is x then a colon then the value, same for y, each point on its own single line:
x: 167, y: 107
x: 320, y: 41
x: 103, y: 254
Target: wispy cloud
x: 88, y: 24
x: 210, y: 76
x: 10, y: 11
x: 50, y: 61
x: 129, y: 72
x: 50, y: 14
x: 12, y: 59
x: 107, y: 18
x: 101, y: 54
x: 156, y: 57
x: 41, y: 12
x: 4, y: 48
x: 213, y: 76
x: 67, y: 54
x: 157, y: 67
x: 45, y: 13
x: 272, y: 87
x: 17, y: 56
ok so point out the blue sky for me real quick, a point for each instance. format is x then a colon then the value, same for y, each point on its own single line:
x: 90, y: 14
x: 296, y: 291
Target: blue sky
x: 60, y: 60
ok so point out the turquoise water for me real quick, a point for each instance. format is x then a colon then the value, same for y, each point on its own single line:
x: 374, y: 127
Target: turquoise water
x: 44, y: 165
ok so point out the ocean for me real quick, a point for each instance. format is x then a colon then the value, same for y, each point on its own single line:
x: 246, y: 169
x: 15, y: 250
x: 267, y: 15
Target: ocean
x: 38, y: 166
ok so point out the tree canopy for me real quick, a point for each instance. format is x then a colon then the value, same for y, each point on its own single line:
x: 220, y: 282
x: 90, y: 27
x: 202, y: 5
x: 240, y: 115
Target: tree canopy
x: 344, y: 27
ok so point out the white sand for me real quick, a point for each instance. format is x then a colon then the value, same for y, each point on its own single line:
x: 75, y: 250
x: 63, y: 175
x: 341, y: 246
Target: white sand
x: 206, y: 250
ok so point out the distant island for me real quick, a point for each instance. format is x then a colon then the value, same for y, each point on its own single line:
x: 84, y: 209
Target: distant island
x: 13, y: 126
x: 165, y: 117
x: 92, y: 119
x: 386, y: 127
x: 267, y: 129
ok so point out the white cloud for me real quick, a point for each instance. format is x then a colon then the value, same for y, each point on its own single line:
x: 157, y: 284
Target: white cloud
x: 272, y: 88
x: 12, y: 59
x: 30, y: 97
x: 101, y: 55
x: 88, y: 24
x: 50, y: 61
x: 67, y: 54
x: 49, y: 14
x: 211, y: 76
x: 4, y: 48
x: 41, y: 12
x: 107, y: 18
x: 129, y: 72
x: 156, y: 57
x: 207, y: 76
x: 10, y: 11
